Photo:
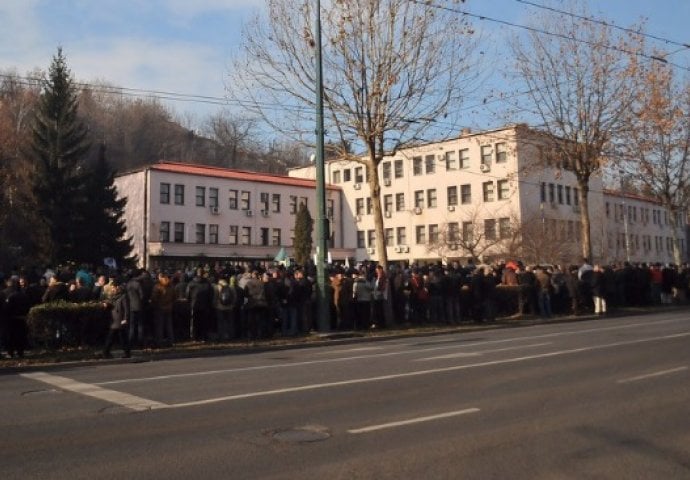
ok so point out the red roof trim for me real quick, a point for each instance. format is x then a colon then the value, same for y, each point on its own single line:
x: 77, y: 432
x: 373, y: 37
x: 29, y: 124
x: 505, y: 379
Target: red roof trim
x: 230, y: 174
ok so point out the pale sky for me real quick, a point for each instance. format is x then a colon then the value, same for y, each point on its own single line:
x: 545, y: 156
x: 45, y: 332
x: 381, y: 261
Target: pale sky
x: 185, y: 46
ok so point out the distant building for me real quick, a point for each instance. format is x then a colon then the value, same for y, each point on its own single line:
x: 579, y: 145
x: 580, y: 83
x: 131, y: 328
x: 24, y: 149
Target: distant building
x: 181, y: 215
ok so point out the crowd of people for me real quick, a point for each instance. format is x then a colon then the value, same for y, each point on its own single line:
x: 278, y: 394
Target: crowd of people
x: 226, y: 303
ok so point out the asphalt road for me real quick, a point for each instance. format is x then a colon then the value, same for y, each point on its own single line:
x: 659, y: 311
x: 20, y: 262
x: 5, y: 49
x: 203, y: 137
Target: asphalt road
x: 607, y: 398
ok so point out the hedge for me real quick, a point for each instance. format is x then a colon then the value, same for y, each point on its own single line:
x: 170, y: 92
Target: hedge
x: 65, y: 324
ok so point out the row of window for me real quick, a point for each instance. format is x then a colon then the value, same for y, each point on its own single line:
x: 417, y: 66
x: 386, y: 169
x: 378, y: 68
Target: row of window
x: 633, y: 242
x: 455, y: 195
x: 425, y: 165
x: 452, y: 232
x: 237, y: 199
x: 237, y: 235
x: 659, y: 217
x: 559, y: 194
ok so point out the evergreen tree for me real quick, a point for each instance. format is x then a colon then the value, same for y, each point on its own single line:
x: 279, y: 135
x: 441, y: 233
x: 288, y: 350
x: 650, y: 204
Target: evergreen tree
x: 104, y: 227
x: 304, y: 226
x: 60, y: 146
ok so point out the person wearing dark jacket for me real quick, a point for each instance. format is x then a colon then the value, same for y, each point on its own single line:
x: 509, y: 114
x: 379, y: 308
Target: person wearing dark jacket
x: 118, y: 304
x: 200, y: 297
x: 14, y: 310
x: 598, y: 284
x: 135, y: 296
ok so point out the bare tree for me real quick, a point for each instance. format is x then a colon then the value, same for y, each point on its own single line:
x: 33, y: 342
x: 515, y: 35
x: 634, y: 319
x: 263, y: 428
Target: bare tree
x: 232, y: 133
x: 391, y: 67
x: 581, y: 84
x: 657, y: 149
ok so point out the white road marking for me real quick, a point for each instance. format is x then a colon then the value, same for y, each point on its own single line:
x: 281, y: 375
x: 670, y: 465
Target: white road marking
x: 348, y: 350
x: 376, y: 355
x: 118, y: 398
x: 417, y: 373
x: 652, y: 375
x: 481, y: 352
x: 412, y: 421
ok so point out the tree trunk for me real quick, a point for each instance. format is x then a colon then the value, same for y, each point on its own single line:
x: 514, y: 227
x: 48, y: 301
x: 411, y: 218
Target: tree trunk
x: 584, y: 219
x: 375, y: 192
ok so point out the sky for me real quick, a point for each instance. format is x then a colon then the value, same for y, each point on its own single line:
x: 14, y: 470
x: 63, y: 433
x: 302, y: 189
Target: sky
x: 186, y: 46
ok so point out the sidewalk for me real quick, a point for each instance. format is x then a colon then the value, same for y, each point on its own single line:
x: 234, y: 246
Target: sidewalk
x: 41, y: 360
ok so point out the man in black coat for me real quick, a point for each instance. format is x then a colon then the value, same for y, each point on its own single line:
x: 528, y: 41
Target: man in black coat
x: 15, y: 307
x: 200, y: 297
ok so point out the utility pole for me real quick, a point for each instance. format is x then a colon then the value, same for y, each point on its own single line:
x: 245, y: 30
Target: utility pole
x: 322, y: 230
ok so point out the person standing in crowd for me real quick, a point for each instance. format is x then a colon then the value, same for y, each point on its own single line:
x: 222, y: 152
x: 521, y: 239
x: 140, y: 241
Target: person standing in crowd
x: 118, y: 304
x: 255, y: 305
x: 379, y: 296
x: 162, y: 301
x: 598, y: 286
x: 527, y: 297
x: 97, y: 290
x: 135, y: 298
x: 361, y: 294
x: 57, y: 290
x: 224, y: 300
x: 290, y: 319
x: 200, y: 297
x: 14, y: 308
x: 305, y: 290
x: 436, y: 311
x: 543, y: 291
x: 81, y: 293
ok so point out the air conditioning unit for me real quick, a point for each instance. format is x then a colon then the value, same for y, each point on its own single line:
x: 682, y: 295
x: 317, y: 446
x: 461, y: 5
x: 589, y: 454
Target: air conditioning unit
x: 264, y: 213
x: 214, y: 210
x: 387, y: 214
x: 397, y: 249
x: 357, y: 186
x: 451, y: 208
x: 387, y: 182
x: 453, y: 246
x: 358, y: 218
x: 370, y: 250
x: 417, y: 210
x: 576, y: 208
x: 249, y: 213
x: 404, y: 249
x: 484, y: 167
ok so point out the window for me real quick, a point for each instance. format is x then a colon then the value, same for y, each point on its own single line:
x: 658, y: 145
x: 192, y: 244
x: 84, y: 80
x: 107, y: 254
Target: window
x: 453, y: 232
x: 488, y: 189
x: 232, y: 237
x: 361, y: 243
x: 552, y: 193
x: 164, y: 232
x: 464, y: 159
x: 503, y: 189
x: 559, y: 192
x: 359, y: 174
x: 359, y: 206
x: 368, y: 205
x: 399, y: 202
x: 419, y: 198
x: 275, y: 200
x: 466, y: 194
x: 398, y: 169
x: 486, y: 153
x: 401, y: 234
x: 346, y: 175
x: 200, y: 233
x: 501, y: 153
x: 388, y: 203
x: 431, y: 198
x: 245, y: 203
x: 304, y: 201
x: 276, y: 237
x: 542, y: 192
x: 433, y: 234
x: 576, y: 197
x: 179, y: 194
x: 386, y: 170
x: 504, y: 228
x: 165, y: 193
x: 200, y: 196
x: 451, y: 161
x: 388, y: 236
x: 264, y: 232
x: 420, y: 234
x: 246, y: 235
x: 467, y: 232
x: 430, y: 164
x: 452, y: 196
x: 336, y: 176
x: 371, y: 238
x: 232, y: 199
x: 293, y: 204
x: 416, y: 166
x: 213, y: 234
x: 330, y: 208
x: 490, y: 229
x: 213, y: 197
x: 264, y: 200
x: 568, y: 200
x: 179, y: 233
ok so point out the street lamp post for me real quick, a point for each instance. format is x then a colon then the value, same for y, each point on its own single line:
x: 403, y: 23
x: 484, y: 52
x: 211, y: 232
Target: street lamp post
x: 322, y: 230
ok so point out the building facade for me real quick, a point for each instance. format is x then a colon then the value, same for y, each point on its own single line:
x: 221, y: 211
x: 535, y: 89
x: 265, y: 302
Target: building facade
x: 182, y: 215
x: 482, y: 196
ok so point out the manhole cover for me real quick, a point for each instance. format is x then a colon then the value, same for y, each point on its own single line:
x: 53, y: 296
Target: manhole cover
x: 303, y: 434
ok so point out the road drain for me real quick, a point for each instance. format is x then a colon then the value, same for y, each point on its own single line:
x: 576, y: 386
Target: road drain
x: 308, y: 434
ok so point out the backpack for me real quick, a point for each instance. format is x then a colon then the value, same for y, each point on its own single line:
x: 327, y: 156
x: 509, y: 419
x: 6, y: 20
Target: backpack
x: 225, y: 296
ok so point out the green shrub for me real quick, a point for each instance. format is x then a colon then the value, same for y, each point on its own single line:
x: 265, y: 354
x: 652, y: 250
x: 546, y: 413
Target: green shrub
x: 65, y: 324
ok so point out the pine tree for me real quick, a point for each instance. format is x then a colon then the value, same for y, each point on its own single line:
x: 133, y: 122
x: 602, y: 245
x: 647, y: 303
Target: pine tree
x: 60, y: 145
x: 104, y: 227
x: 304, y: 226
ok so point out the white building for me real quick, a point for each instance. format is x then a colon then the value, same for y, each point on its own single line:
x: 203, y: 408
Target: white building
x: 181, y: 214
x: 469, y: 196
